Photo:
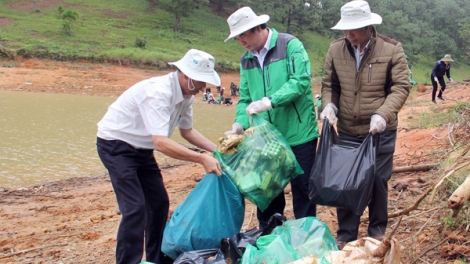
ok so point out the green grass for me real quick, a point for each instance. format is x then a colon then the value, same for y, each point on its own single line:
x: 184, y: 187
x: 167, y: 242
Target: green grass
x: 437, y: 118
x: 107, y: 31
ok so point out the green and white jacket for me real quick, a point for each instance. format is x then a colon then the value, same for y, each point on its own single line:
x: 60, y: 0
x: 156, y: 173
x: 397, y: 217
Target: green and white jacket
x: 285, y: 79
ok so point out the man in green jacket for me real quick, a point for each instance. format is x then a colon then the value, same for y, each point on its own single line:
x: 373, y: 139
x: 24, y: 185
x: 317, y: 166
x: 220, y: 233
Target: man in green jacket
x: 365, y: 83
x: 275, y: 83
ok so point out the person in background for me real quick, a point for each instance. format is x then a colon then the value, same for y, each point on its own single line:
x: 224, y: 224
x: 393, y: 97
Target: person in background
x: 275, y: 84
x: 208, y: 90
x: 233, y: 89
x: 441, y: 68
x: 318, y: 105
x: 222, y: 90
x: 365, y: 83
x: 227, y: 101
x: 140, y: 121
x: 412, y: 81
x: 210, y: 98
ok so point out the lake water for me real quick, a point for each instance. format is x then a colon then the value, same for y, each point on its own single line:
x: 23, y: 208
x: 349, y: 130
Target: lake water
x: 46, y: 137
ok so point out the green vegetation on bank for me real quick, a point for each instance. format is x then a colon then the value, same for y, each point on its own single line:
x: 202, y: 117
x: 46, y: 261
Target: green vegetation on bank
x: 108, y: 31
x: 437, y: 118
x: 137, y: 32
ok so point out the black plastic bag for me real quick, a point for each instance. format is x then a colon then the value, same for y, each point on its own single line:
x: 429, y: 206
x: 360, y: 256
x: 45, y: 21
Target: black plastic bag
x: 205, y: 256
x: 234, y: 247
x: 231, y: 249
x: 343, y: 172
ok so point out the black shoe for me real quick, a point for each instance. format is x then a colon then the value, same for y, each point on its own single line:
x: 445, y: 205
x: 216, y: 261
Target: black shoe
x: 440, y: 98
x: 341, y: 244
x: 433, y: 101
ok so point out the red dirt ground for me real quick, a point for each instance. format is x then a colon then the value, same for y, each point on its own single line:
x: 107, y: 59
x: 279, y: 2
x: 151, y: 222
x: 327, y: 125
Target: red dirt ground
x: 75, y: 220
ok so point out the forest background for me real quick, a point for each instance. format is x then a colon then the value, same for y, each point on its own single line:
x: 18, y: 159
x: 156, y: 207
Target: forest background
x: 145, y: 33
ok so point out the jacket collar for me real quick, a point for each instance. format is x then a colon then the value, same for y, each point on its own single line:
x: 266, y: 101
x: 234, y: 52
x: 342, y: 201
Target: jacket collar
x: 373, y: 38
x: 272, y: 44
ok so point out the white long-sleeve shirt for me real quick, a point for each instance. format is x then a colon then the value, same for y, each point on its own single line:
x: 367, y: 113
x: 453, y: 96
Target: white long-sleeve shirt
x: 151, y: 107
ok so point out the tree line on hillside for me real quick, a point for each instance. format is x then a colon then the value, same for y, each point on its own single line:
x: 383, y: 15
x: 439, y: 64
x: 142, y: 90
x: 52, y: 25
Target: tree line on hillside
x: 425, y: 27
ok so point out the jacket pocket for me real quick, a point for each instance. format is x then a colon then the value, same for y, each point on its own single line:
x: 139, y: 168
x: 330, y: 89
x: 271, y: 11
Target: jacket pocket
x: 376, y: 66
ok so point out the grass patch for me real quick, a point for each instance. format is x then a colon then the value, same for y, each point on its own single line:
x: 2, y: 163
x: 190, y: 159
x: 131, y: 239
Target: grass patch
x: 438, y: 117
x: 108, y: 30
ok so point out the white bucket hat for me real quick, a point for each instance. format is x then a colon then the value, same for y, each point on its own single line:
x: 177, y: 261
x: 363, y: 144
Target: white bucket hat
x: 356, y: 14
x: 198, y: 65
x: 244, y: 19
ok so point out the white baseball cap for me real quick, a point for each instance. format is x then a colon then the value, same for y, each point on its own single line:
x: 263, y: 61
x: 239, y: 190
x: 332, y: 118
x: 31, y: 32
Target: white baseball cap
x: 244, y: 19
x: 198, y: 65
x: 356, y: 14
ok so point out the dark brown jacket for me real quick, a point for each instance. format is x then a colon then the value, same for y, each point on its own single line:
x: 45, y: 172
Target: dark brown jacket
x: 381, y: 86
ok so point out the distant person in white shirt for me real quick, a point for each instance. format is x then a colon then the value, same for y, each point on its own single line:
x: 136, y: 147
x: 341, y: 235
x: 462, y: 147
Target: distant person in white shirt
x: 140, y: 120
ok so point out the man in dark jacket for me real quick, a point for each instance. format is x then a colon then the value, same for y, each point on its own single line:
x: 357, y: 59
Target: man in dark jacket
x: 437, y: 76
x: 365, y: 83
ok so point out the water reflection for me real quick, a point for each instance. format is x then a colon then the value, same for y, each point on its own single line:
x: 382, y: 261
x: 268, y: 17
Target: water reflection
x: 52, y: 136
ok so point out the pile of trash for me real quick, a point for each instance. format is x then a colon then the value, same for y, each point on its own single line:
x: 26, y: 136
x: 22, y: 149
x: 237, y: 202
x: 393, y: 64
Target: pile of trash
x: 257, y: 166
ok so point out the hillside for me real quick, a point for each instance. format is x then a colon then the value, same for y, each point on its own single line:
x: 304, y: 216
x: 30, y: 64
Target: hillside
x: 139, y: 34
x: 75, y: 220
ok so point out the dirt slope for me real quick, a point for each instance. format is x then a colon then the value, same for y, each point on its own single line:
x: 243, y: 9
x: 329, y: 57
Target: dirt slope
x: 75, y: 220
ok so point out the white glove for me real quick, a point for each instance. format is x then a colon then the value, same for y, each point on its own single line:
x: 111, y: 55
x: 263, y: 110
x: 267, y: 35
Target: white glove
x: 450, y: 80
x: 329, y: 112
x: 377, y: 124
x: 236, y: 129
x: 435, y: 79
x: 259, y: 106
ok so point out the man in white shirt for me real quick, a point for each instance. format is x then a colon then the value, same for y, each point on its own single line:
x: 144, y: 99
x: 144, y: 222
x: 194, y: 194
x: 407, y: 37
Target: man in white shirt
x: 140, y: 120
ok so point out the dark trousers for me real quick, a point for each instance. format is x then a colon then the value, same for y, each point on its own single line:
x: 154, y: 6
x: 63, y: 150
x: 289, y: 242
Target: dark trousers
x: 348, y: 222
x: 142, y: 199
x: 434, y: 87
x: 305, y: 155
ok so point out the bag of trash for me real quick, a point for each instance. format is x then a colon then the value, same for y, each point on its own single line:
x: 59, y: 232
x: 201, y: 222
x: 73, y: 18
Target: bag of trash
x: 262, y: 165
x: 343, y: 172
x: 207, y: 256
x: 293, y: 240
x: 234, y: 247
x: 213, y: 210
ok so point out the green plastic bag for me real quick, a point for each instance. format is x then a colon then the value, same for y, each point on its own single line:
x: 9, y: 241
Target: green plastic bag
x: 263, y: 164
x: 272, y: 249
x: 295, y: 239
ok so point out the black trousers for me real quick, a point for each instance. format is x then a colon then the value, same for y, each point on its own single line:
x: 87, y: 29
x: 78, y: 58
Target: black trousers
x: 305, y: 155
x: 348, y: 222
x: 142, y: 199
x: 435, y: 85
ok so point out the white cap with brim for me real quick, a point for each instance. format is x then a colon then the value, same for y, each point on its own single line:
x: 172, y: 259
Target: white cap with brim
x: 356, y: 14
x: 198, y: 65
x: 243, y: 20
